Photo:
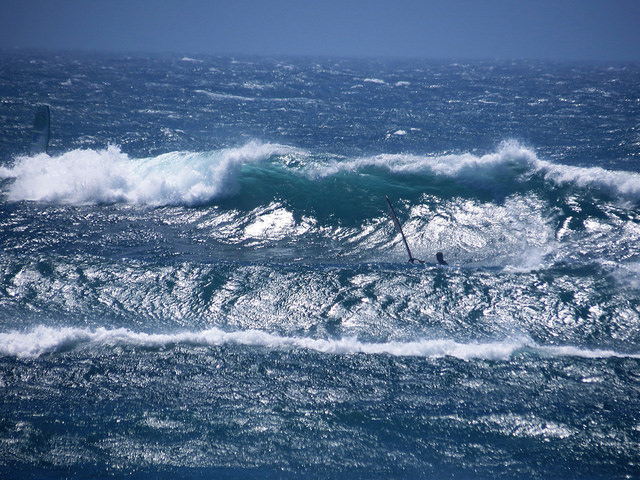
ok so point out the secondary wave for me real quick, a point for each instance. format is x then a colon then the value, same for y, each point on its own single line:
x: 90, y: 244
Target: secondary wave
x: 43, y: 339
x: 511, y: 163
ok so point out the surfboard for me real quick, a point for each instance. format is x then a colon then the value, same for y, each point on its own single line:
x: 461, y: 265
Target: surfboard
x: 396, y: 222
x: 41, y: 130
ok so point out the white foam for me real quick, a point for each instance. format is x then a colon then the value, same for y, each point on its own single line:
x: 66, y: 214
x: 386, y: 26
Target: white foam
x: 628, y: 275
x: 226, y: 96
x: 570, y: 351
x: 447, y: 165
x: 374, y: 80
x: 510, y: 160
x: 532, y: 258
x: 43, y: 339
x: 625, y: 185
x: 526, y: 426
x: 110, y: 176
x: 274, y: 224
x: 40, y: 340
x: 241, y: 98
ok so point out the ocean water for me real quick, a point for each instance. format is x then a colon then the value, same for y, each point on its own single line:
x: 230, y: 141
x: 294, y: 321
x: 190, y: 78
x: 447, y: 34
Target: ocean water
x: 200, y: 279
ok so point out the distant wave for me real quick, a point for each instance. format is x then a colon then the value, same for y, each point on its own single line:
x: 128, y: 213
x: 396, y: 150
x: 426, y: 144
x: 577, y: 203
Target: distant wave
x: 43, y: 339
x: 110, y: 176
x: 226, y: 96
x: 241, y: 98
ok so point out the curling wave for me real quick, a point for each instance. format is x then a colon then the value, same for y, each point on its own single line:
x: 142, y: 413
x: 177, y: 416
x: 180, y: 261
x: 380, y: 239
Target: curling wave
x: 110, y: 176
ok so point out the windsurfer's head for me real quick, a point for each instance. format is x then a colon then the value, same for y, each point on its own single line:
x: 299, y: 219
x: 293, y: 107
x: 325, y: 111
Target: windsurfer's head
x: 440, y: 259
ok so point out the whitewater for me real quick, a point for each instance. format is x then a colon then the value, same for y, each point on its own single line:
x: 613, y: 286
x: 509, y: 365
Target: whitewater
x: 200, y: 278
x: 192, y: 178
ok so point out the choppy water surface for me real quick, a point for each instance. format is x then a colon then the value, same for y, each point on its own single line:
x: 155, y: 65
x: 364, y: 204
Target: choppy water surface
x: 200, y: 278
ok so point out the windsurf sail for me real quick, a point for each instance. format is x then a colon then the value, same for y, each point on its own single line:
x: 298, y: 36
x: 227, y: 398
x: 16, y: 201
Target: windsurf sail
x: 396, y: 222
x: 41, y: 131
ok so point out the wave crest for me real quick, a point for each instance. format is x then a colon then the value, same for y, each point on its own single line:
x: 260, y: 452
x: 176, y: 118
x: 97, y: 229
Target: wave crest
x: 512, y: 163
x: 193, y: 178
x: 110, y: 176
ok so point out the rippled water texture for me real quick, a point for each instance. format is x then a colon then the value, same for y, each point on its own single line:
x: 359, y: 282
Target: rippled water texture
x: 200, y: 278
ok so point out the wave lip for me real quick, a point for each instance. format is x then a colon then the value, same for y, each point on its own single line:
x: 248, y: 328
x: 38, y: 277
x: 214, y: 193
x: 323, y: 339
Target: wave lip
x: 454, y: 165
x: 624, y: 185
x: 42, y: 340
x: 83, y: 177
x: 511, y: 162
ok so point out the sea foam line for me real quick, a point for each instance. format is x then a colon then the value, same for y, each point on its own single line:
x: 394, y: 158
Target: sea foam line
x: 43, y: 339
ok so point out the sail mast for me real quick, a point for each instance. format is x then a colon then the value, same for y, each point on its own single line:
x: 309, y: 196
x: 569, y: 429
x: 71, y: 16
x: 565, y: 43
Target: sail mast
x: 396, y: 222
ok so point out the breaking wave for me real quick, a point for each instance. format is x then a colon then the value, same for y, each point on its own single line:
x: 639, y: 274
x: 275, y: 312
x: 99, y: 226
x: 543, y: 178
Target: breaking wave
x: 511, y: 163
x: 42, y: 340
x: 194, y: 178
x: 110, y: 176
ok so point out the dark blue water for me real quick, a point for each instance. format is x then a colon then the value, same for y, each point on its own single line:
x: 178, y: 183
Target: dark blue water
x: 200, y: 278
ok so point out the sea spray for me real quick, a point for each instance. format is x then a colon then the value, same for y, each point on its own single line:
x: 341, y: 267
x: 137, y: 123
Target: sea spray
x: 104, y: 176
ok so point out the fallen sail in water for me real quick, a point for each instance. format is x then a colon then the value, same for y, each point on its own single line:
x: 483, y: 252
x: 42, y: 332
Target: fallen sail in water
x: 41, y: 131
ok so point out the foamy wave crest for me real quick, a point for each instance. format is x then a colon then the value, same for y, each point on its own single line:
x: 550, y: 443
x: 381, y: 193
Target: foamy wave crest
x: 463, y: 165
x: 110, y: 176
x: 624, y: 185
x: 42, y: 340
x: 510, y: 162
